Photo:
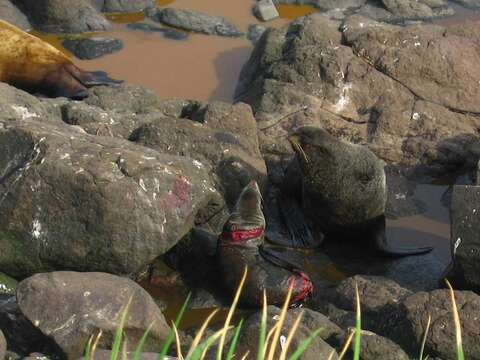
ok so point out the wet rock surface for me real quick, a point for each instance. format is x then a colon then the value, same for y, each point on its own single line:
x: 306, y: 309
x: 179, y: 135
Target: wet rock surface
x: 69, y: 307
x: 408, y: 324
x: 196, y: 22
x: 465, y: 245
x: 123, y: 5
x: 92, y: 48
x: 168, y: 33
x: 64, y: 16
x: 10, y: 13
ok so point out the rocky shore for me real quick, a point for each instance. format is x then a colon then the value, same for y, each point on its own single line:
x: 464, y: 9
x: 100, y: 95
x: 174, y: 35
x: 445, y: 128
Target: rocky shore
x: 95, y: 193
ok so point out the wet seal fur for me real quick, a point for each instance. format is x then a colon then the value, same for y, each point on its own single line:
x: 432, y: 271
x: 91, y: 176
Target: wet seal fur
x: 241, y: 245
x: 33, y: 65
x: 344, y: 188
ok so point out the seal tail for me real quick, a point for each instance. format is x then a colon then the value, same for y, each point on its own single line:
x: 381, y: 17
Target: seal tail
x: 381, y: 244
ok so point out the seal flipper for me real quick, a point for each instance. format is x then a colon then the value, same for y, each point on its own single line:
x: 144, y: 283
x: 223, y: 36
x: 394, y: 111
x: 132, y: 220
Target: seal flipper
x: 91, y: 78
x: 274, y: 258
x: 379, y: 241
x: 299, y: 230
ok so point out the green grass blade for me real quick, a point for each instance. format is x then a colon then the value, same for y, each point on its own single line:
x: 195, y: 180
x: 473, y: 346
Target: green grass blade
x: 233, y: 345
x: 358, y: 327
x: 171, y: 334
x: 88, y: 349
x: 304, y: 345
x: 119, y: 333
x: 198, y: 352
x: 138, y: 351
x: 263, y: 329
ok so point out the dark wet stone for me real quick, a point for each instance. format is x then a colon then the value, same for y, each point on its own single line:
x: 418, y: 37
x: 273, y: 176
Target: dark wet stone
x: 465, y: 215
x: 92, y: 48
x: 10, y: 13
x: 167, y: 33
x: 408, y: 324
x: 101, y: 354
x: 123, y: 5
x: 69, y: 307
x: 408, y: 9
x: 468, y: 3
x: 198, y: 22
x: 255, y: 32
x: 325, y: 4
x: 375, y: 347
x: 401, y: 199
x: 375, y: 12
x: 64, y: 16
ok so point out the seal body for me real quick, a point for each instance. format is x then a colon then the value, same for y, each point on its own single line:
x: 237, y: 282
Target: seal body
x: 32, y: 64
x: 343, y: 189
x: 343, y: 184
x: 240, y: 245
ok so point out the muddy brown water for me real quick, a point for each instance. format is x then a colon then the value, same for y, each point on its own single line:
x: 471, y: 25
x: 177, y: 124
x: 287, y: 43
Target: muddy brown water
x: 207, y: 68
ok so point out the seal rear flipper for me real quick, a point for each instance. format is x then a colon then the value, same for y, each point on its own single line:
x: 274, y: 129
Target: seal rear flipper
x: 276, y: 259
x: 91, y: 78
x: 300, y: 233
x: 379, y: 240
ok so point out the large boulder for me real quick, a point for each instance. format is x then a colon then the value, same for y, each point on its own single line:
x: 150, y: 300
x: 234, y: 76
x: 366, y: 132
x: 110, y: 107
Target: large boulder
x: 70, y: 307
x: 10, y: 13
x: 220, y: 135
x: 465, y: 216
x: 409, y: 93
x: 64, y: 16
x: 407, y: 325
x: 318, y: 349
x: 75, y: 201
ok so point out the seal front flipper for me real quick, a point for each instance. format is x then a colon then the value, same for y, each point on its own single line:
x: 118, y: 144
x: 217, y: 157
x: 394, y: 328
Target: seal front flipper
x: 379, y: 240
x: 292, y: 215
x: 276, y: 259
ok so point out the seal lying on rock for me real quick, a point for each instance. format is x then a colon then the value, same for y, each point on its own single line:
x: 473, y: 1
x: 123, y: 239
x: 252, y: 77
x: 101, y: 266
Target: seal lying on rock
x: 31, y: 64
x: 344, y: 188
x: 241, y: 245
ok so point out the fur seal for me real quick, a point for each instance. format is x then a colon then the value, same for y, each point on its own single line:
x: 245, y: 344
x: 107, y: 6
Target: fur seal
x: 241, y: 244
x: 344, y: 188
x: 32, y: 64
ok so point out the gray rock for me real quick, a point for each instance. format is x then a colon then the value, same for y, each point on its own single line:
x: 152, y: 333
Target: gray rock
x: 64, y: 16
x: 408, y: 324
x: 101, y: 354
x: 168, y: 33
x: 123, y: 5
x: 465, y: 216
x: 375, y: 347
x: 248, y: 340
x: 376, y: 293
x: 10, y: 13
x: 255, y: 32
x: 69, y: 307
x: 82, y: 199
x: 198, y: 22
x: 325, y: 4
x: 401, y: 199
x: 408, y: 9
x: 3, y: 346
x: 265, y: 10
x: 92, y: 48
x: 375, y: 12
x: 468, y: 3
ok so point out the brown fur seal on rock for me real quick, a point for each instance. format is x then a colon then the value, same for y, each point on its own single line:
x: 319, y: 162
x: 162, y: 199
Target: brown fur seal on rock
x: 344, y: 188
x: 241, y: 245
x: 31, y: 64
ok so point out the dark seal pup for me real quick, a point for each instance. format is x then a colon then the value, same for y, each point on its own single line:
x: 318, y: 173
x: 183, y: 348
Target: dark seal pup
x: 33, y: 65
x: 344, y: 188
x: 241, y: 244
